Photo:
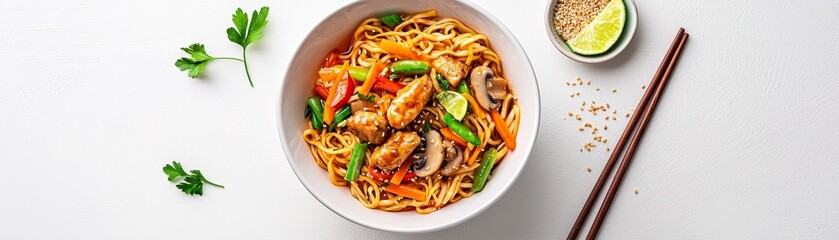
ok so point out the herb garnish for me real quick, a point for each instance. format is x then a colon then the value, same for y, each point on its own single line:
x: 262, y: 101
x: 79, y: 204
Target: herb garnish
x: 243, y: 34
x: 192, y: 183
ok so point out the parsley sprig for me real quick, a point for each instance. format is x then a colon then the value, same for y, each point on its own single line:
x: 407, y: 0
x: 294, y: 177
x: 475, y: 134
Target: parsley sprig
x: 193, y: 182
x: 243, y: 34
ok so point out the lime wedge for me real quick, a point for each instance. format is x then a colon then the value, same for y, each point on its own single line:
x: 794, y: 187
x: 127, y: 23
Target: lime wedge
x: 599, y: 35
x: 454, y: 103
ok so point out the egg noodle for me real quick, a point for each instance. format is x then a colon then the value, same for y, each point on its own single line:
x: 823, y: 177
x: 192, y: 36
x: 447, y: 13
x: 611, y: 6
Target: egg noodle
x: 433, y: 36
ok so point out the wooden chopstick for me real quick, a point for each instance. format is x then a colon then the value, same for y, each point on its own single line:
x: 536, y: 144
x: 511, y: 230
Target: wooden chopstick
x: 630, y: 151
x: 654, y: 91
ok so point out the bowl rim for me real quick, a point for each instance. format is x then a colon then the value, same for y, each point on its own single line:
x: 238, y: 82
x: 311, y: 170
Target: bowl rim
x: 516, y: 46
x: 559, y: 45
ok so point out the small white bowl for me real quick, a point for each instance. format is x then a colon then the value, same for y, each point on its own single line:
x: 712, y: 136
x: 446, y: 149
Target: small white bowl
x: 297, y: 86
x: 626, y: 36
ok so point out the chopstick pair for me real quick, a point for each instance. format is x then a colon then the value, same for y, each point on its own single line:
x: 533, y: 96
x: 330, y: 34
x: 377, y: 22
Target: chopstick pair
x: 645, y: 108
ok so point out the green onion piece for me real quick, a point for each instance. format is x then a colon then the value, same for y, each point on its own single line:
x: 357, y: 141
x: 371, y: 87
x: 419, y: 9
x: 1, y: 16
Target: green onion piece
x: 340, y: 116
x: 460, y: 129
x: 356, y: 72
x: 356, y: 160
x: 482, y: 172
x: 317, y: 111
x: 391, y: 20
x: 410, y: 67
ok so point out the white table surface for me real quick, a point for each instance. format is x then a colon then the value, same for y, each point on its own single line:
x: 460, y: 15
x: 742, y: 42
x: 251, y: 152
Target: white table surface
x: 743, y: 144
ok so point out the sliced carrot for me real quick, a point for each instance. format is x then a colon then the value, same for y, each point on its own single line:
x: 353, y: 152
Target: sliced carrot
x: 329, y: 112
x: 475, y: 107
x: 401, y: 51
x: 371, y: 77
x: 397, y: 177
x: 406, y: 191
x: 448, y: 134
x: 503, y: 130
x: 474, y: 157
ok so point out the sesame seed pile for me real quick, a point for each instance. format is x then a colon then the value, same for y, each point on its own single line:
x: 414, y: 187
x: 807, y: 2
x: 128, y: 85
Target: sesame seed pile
x: 571, y: 16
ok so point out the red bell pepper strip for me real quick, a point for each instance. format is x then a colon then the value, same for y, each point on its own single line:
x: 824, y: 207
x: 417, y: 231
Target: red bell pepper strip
x: 345, y: 89
x: 332, y: 59
x: 321, y: 92
x: 382, y: 83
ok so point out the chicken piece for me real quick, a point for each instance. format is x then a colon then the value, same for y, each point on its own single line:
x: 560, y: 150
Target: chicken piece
x: 395, y: 150
x: 383, y: 103
x: 451, y: 68
x: 409, y: 102
x: 368, y: 126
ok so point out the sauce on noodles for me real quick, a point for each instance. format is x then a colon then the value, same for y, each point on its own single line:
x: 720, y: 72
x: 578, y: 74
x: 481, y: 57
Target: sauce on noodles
x: 414, y: 115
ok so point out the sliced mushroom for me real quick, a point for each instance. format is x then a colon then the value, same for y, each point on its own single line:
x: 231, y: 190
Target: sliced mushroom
x: 453, y: 160
x: 488, y: 88
x: 433, y: 155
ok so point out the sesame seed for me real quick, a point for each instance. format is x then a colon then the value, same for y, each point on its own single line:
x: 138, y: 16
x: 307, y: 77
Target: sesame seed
x: 614, y: 90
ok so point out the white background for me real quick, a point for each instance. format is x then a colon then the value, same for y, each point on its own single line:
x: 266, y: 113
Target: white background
x: 743, y: 144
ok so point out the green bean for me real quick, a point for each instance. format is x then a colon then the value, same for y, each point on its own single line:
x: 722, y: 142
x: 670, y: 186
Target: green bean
x: 462, y: 130
x: 482, y: 172
x: 356, y: 160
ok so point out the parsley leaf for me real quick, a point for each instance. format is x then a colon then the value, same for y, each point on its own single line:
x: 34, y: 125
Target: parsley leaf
x: 196, y: 64
x: 241, y: 34
x: 193, y: 182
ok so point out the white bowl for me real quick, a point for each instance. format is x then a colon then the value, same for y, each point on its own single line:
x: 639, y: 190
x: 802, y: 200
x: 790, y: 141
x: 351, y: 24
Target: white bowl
x: 298, y: 83
x: 629, y: 28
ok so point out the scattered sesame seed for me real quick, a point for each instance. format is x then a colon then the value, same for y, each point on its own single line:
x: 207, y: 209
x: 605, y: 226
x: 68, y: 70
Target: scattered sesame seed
x: 636, y: 191
x: 614, y: 90
x: 570, y: 114
x: 643, y: 86
x: 605, y: 127
x: 614, y: 118
x: 627, y: 115
x: 597, y: 89
x: 588, y: 83
x: 581, y: 129
x: 588, y: 169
